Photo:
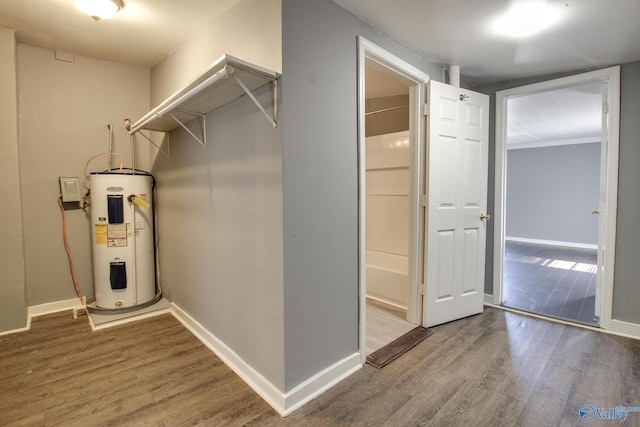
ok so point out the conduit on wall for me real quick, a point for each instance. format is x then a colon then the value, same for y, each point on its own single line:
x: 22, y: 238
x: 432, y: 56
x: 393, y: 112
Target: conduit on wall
x: 225, y: 80
x: 454, y: 75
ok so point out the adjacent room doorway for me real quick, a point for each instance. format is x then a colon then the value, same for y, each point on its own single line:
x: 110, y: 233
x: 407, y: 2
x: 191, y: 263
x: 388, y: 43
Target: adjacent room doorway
x: 556, y: 195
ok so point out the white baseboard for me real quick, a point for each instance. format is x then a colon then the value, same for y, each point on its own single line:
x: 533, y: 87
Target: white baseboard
x: 552, y: 242
x: 625, y: 329
x: 54, y: 307
x: 320, y: 382
x: 283, y: 403
x: 386, y: 301
x: 271, y: 394
x: 48, y: 308
x: 488, y: 299
x: 13, y: 331
x: 615, y: 327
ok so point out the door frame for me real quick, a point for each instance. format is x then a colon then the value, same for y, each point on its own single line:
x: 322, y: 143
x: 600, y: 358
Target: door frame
x: 612, y: 77
x: 417, y: 123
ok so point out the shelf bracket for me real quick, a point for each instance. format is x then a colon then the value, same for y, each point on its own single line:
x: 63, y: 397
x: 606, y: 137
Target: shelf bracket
x: 166, y: 135
x: 199, y: 98
x: 273, y: 119
x: 203, y: 123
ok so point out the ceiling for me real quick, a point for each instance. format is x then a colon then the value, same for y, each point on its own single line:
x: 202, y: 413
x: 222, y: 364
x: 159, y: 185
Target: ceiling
x: 591, y: 33
x: 141, y: 34
x: 562, y: 116
x: 570, y: 115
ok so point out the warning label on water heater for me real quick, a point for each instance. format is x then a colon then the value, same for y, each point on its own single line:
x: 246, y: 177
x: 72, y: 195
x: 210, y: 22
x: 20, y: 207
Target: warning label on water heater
x: 101, y: 234
x: 117, y: 235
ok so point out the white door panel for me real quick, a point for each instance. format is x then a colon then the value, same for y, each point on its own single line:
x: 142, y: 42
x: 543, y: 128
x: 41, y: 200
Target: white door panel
x: 457, y: 197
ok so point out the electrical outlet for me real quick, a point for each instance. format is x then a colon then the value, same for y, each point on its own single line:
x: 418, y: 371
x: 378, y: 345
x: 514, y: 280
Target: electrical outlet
x: 70, y: 189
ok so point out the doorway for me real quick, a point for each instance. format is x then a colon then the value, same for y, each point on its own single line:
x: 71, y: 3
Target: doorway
x: 390, y: 246
x: 556, y: 197
x: 387, y: 168
x: 551, y: 236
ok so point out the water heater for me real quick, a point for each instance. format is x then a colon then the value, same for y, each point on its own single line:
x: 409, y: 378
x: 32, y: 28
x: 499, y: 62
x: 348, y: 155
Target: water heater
x: 123, y: 239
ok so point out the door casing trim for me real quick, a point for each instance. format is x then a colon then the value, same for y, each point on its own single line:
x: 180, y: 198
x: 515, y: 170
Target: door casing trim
x: 417, y: 123
x: 612, y: 76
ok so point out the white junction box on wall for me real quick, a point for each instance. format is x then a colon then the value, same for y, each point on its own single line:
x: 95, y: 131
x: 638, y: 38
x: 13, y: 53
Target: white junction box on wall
x: 70, y: 189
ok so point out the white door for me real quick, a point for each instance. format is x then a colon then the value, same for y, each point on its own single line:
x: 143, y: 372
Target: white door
x: 457, y: 144
x: 602, y: 205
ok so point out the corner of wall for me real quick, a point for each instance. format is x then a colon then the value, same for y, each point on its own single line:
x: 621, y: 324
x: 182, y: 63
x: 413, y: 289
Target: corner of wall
x: 251, y: 30
x: 283, y: 403
x: 13, y: 303
x: 54, y: 142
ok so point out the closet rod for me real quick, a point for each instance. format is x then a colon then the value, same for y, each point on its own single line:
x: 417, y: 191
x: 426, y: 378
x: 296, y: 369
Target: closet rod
x: 153, y: 115
x: 384, y: 110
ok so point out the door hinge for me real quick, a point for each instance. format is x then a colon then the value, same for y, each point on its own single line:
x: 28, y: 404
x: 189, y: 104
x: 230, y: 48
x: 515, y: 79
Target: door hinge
x: 423, y: 200
x: 426, y: 109
x: 420, y: 288
x: 605, y: 108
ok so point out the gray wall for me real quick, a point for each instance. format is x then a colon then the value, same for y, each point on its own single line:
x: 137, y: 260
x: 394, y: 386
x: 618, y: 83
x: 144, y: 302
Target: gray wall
x: 220, y: 207
x: 259, y: 231
x: 220, y: 231
x: 319, y: 117
x: 13, y: 302
x: 626, y: 293
x: 64, y: 108
x: 551, y: 192
x: 59, y: 123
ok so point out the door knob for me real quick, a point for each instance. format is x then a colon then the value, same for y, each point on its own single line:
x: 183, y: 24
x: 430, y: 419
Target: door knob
x: 595, y: 212
x: 485, y: 217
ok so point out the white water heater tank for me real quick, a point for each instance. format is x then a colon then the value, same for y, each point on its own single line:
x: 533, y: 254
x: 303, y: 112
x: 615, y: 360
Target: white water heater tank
x: 123, y: 239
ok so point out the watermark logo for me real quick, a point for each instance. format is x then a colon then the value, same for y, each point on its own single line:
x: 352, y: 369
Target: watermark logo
x: 589, y: 413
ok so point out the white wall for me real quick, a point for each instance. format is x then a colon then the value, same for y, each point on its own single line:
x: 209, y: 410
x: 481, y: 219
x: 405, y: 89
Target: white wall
x: 13, y: 307
x: 387, y: 158
x: 63, y: 112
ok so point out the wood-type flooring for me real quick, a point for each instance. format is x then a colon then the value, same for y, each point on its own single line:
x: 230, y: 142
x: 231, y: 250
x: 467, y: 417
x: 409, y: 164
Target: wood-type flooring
x: 385, y: 323
x: 551, y: 280
x: 494, y: 369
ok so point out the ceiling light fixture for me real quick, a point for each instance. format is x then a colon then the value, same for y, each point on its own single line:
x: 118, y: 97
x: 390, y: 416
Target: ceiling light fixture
x: 99, y: 9
x: 526, y: 18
